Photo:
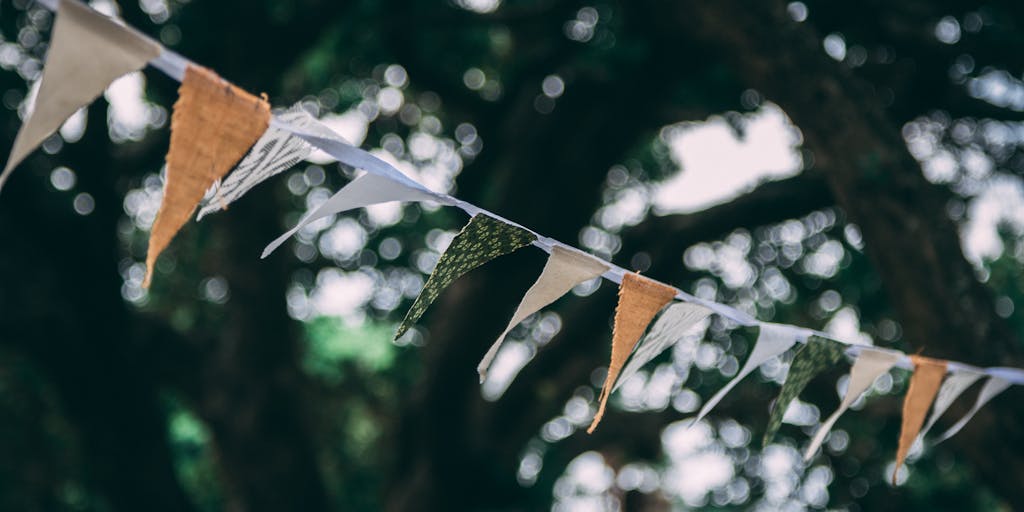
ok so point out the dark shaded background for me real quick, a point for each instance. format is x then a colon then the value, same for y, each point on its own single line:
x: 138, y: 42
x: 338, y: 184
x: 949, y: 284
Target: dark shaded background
x: 223, y: 389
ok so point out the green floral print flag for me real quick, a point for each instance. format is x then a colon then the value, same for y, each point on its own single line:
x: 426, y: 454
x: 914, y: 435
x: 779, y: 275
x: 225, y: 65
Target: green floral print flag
x: 481, y: 240
x: 818, y: 355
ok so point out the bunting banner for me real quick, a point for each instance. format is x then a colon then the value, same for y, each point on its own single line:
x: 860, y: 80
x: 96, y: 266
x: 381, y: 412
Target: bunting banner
x: 675, y: 320
x: 367, y: 189
x: 481, y: 240
x: 772, y: 340
x: 924, y: 385
x: 87, y: 52
x: 276, y: 151
x: 217, y: 127
x: 818, y: 355
x: 954, y: 386
x: 869, y: 365
x: 992, y: 387
x: 639, y: 300
x: 214, y: 124
x: 563, y: 270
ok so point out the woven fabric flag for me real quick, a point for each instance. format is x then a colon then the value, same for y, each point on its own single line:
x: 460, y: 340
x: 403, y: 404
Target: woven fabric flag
x: 367, y: 189
x: 564, y: 269
x: 276, y: 151
x: 772, y: 340
x: 992, y: 387
x: 818, y: 355
x: 214, y: 124
x: 951, y: 388
x: 870, y: 364
x: 924, y: 385
x: 674, y: 321
x: 639, y: 300
x: 481, y: 240
x: 87, y: 52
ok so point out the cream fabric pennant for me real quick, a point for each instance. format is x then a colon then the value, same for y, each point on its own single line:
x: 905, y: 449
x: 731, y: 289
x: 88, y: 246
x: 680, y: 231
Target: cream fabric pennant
x: 924, y: 385
x: 870, y: 364
x: 367, y: 189
x: 952, y: 387
x: 564, y: 269
x: 213, y: 126
x: 639, y: 300
x: 674, y: 321
x: 87, y: 52
x: 772, y: 340
x: 990, y: 390
x: 276, y: 151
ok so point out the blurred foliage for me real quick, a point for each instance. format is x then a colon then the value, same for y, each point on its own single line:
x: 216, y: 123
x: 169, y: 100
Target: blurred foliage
x: 448, y: 92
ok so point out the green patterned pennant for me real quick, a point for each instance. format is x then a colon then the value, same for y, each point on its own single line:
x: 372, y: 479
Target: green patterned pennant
x: 818, y: 355
x: 481, y: 240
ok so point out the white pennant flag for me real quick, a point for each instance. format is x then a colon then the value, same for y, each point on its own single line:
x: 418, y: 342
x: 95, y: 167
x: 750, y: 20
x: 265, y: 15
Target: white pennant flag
x: 772, y: 340
x: 954, y: 385
x: 87, y: 52
x: 365, y: 190
x: 870, y: 364
x: 675, y: 320
x: 275, y: 152
x: 564, y: 269
x: 992, y: 387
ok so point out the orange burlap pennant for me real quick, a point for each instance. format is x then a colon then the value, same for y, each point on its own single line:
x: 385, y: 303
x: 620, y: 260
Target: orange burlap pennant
x: 213, y: 126
x: 924, y: 384
x: 639, y: 300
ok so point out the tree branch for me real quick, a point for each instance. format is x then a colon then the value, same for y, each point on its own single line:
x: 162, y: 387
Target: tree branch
x: 914, y: 246
x: 769, y: 203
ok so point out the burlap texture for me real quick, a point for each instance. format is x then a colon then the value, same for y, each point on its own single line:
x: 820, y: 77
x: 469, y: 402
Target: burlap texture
x: 924, y: 385
x: 639, y: 300
x: 213, y: 126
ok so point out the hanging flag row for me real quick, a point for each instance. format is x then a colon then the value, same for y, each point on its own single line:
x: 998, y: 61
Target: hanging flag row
x: 225, y: 138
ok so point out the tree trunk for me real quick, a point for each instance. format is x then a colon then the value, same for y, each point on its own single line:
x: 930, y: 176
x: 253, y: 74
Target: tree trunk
x: 62, y: 306
x: 915, y: 247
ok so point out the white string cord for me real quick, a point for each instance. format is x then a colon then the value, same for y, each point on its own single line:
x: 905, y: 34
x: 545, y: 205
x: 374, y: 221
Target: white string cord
x: 173, y: 65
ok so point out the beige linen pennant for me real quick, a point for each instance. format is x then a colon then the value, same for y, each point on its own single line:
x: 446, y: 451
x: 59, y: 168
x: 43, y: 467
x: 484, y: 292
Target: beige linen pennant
x: 564, y: 269
x: 87, y: 52
x: 990, y: 390
x: 952, y: 387
x: 870, y: 364
x: 772, y: 340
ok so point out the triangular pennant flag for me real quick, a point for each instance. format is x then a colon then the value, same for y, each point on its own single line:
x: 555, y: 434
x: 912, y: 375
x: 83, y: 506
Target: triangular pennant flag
x: 992, y: 387
x: 481, y: 240
x: 870, y: 364
x: 674, y: 321
x: 87, y: 52
x: 818, y: 355
x: 924, y: 384
x: 214, y: 124
x: 276, y: 151
x: 367, y: 189
x: 639, y: 300
x: 772, y: 340
x: 564, y: 269
x: 952, y: 387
